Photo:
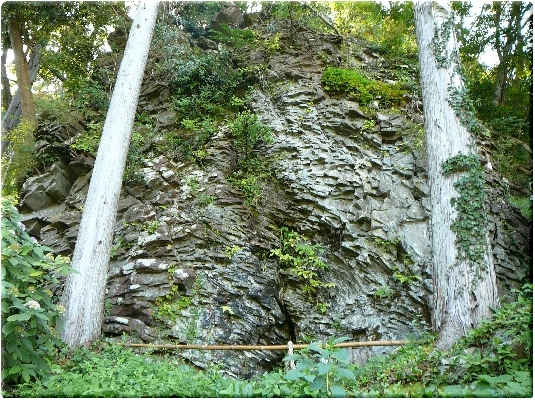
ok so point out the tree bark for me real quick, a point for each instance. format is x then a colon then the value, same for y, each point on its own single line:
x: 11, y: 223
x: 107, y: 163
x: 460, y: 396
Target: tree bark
x: 22, y: 72
x: 6, y: 90
x: 513, y: 44
x: 12, y: 116
x: 84, y: 291
x: 461, y: 300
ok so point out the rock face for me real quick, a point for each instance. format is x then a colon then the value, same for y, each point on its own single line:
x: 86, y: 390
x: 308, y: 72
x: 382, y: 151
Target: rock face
x: 193, y: 262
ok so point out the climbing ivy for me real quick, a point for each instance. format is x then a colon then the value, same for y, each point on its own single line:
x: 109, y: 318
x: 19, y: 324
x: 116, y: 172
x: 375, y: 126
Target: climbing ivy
x: 459, y: 99
x: 440, y: 39
x: 470, y: 224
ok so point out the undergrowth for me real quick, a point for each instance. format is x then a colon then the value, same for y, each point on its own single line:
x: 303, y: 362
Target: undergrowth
x: 118, y: 372
x: 493, y: 360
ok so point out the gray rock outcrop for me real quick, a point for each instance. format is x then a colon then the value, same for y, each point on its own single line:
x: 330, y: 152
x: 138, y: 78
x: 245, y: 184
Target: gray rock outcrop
x: 192, y: 260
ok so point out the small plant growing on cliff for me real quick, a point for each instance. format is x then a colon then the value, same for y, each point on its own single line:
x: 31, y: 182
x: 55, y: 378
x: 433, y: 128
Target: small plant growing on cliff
x: 363, y: 89
x: 248, y: 133
x: 87, y: 142
x: 231, y: 251
x: 369, y: 124
x: 249, y: 185
x: 384, y: 292
x: 273, y: 42
x: 302, y: 259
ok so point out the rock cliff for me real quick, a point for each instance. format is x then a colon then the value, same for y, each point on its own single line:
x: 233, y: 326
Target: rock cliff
x: 193, y: 261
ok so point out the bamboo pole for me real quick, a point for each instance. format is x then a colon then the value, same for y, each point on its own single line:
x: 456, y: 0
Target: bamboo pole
x: 267, y: 347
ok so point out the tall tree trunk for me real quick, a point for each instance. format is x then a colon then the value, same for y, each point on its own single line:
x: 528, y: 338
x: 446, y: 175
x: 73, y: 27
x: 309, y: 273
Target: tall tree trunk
x: 513, y: 44
x: 6, y: 90
x: 22, y: 72
x: 12, y: 115
x: 83, y: 295
x: 461, y: 298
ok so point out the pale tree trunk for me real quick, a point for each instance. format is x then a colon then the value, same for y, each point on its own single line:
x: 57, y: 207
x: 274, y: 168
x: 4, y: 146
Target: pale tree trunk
x: 83, y: 295
x: 23, y: 74
x: 461, y: 299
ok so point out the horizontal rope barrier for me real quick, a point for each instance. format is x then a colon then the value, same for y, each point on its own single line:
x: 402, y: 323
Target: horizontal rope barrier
x: 267, y: 347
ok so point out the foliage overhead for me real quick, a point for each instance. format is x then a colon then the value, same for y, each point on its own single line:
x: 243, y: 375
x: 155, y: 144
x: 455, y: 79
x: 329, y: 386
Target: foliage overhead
x: 71, y: 34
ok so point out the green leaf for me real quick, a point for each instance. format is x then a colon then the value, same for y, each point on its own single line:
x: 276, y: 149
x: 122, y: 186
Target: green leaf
x: 338, y: 391
x: 49, y: 346
x: 340, y: 355
x: 14, y: 370
x: 495, y: 379
x: 316, y: 347
x: 19, y: 317
x: 285, y: 390
x: 345, y: 373
x: 12, y: 346
x: 38, y: 251
x: 28, y: 344
x: 25, y: 249
x: 455, y: 391
x: 318, y: 383
x: 293, y: 375
x: 25, y: 375
x: 323, y: 368
x: 514, y: 388
x: 8, y: 328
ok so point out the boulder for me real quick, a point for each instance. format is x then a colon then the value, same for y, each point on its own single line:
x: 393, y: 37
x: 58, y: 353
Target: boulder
x: 231, y: 16
x: 52, y: 187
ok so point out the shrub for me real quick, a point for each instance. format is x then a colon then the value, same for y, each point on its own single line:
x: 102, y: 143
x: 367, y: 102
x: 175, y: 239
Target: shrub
x: 248, y: 133
x: 88, y: 141
x: 29, y: 309
x: 205, y: 84
x: 321, y: 371
x: 19, y: 159
x: 235, y: 37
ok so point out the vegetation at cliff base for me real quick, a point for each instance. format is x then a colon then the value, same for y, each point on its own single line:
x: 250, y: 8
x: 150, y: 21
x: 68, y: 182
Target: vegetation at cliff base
x: 493, y: 360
